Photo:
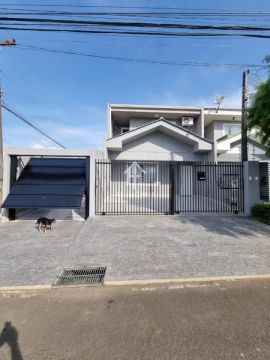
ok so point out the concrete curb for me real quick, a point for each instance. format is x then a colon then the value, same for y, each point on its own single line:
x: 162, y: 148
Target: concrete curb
x: 25, y: 287
x: 185, y: 280
x: 146, y: 282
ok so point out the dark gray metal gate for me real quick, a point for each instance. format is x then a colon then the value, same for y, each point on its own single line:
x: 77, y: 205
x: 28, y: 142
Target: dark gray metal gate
x: 168, y: 187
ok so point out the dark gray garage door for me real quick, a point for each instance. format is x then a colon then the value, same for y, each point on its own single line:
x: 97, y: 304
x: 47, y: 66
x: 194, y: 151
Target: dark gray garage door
x: 49, y: 183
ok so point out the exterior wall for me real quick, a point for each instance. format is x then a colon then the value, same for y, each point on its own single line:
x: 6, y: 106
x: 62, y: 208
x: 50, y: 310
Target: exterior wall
x: 215, y: 130
x: 136, y: 122
x: 209, y: 132
x: 251, y: 185
x: 158, y: 146
x: 218, y: 130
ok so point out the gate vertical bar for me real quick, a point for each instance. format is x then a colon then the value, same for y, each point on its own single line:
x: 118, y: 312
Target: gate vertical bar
x: 171, y: 187
x: 87, y: 176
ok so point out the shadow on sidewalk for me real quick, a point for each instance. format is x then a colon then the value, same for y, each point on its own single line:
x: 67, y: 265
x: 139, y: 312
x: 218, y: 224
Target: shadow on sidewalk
x: 234, y: 226
x: 9, y: 336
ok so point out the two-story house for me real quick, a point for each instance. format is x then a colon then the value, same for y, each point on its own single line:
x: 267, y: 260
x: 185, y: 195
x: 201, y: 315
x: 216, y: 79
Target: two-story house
x: 177, y: 133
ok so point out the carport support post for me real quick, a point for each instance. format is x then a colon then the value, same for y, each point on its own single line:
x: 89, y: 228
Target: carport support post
x: 13, y: 176
x: 251, y: 185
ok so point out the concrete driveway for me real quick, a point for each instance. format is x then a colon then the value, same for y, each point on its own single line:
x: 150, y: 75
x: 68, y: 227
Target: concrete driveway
x: 136, y: 247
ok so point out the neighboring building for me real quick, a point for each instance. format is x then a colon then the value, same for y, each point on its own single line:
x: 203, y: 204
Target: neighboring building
x: 177, y: 133
x: 229, y: 148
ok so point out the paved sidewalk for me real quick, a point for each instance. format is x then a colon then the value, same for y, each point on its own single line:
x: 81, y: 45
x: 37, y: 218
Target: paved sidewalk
x: 136, y: 247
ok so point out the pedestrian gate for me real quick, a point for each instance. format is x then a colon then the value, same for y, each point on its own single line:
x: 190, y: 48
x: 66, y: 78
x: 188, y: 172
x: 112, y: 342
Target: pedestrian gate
x: 168, y: 187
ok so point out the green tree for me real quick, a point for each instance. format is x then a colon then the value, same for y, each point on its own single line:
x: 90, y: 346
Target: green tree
x: 258, y: 115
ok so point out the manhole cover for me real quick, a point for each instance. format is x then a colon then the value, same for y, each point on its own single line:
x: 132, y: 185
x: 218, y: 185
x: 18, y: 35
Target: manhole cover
x: 86, y: 276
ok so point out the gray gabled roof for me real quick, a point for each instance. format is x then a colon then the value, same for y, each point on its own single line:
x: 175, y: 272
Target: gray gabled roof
x: 166, y: 121
x: 161, y: 125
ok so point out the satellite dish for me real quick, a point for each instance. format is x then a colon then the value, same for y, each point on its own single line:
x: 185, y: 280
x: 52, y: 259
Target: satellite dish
x: 218, y: 101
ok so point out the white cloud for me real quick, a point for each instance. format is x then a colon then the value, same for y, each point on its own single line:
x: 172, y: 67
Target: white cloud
x: 44, y: 145
x: 37, y: 146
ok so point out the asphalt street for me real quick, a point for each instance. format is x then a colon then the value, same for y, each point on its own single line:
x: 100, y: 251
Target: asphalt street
x: 217, y: 320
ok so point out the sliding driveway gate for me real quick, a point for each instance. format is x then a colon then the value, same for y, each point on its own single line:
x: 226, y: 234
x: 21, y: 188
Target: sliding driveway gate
x: 168, y: 187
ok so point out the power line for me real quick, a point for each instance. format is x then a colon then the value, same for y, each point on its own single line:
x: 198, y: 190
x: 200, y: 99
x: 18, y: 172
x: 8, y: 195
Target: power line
x: 137, y: 33
x: 139, y: 60
x: 128, y: 7
x: 33, y: 93
x: 15, y: 113
x: 122, y: 24
x: 164, y: 14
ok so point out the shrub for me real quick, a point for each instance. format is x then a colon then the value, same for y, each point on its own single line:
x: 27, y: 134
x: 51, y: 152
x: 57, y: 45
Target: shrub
x: 261, y: 211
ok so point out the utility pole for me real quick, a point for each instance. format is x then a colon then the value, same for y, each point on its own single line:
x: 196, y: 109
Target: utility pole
x: 7, y: 42
x: 244, y: 142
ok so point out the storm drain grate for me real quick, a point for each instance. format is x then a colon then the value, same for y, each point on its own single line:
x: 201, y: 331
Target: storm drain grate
x: 87, y: 276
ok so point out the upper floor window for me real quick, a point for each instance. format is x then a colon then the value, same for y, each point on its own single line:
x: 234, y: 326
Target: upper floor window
x: 124, y: 130
x: 232, y: 129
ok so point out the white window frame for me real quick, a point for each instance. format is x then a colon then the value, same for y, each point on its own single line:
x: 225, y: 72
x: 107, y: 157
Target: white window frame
x: 231, y: 124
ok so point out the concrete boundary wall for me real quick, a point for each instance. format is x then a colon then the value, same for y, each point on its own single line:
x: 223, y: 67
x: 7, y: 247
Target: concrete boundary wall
x: 251, y: 185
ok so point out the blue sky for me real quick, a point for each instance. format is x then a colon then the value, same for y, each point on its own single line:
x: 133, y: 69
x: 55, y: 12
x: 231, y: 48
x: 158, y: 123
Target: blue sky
x: 67, y: 95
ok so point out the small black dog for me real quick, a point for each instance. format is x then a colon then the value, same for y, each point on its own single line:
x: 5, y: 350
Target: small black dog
x: 44, y: 223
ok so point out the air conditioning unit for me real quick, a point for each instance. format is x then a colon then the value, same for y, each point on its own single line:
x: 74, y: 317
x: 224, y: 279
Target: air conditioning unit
x: 187, y: 121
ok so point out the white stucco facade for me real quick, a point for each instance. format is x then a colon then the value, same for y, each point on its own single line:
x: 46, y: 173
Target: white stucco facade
x: 157, y: 133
